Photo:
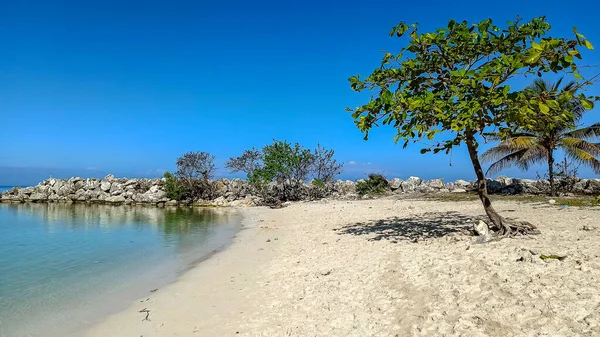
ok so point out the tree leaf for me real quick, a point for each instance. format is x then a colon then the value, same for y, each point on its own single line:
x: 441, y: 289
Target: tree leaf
x: 533, y: 56
x: 543, y: 107
x: 587, y: 104
x: 577, y: 76
x: 588, y: 45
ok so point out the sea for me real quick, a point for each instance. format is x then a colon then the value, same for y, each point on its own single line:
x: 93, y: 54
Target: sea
x: 65, y: 267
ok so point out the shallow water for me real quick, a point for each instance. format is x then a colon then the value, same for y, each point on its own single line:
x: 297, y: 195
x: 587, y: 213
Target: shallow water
x: 63, y: 267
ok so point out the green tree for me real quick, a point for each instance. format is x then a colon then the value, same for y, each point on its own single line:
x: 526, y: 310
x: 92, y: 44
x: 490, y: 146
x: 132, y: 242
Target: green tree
x: 173, y: 188
x: 537, y: 139
x: 285, y: 164
x: 454, y: 82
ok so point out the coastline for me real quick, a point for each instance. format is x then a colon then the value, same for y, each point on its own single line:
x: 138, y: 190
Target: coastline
x: 384, y: 267
x: 216, y: 278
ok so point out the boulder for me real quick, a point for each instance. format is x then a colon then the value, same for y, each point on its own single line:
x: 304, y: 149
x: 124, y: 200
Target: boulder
x: 36, y: 196
x: 436, y: 183
x: 115, y: 199
x: 396, y: 184
x: 105, y: 186
x: 411, y: 184
x: 109, y: 177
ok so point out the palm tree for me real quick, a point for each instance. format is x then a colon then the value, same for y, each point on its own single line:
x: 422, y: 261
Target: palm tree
x: 536, y: 141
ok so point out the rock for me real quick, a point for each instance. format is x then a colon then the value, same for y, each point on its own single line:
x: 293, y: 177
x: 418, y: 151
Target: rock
x: 459, y: 190
x: 130, y: 182
x: 552, y: 201
x: 115, y: 199
x: 462, y: 183
x: 116, y: 189
x: 411, y: 184
x: 36, y: 196
x: 109, y: 177
x: 481, y: 228
x: 444, y: 190
x: 92, y: 184
x: 483, y: 232
x: 105, y: 186
x: 171, y: 203
x: 436, y: 183
x: 396, y: 184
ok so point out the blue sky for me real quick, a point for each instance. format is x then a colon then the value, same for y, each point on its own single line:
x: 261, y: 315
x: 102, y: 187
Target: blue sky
x: 92, y: 87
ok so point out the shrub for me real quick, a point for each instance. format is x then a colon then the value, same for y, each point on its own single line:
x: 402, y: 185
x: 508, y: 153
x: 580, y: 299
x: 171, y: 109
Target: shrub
x: 196, y: 165
x: 173, y: 188
x: 375, y: 184
x: 324, y: 167
x: 289, y: 167
x: 194, y: 169
x: 248, y: 162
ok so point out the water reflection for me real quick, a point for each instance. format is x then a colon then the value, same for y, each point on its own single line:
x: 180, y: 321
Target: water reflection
x: 55, y: 257
x: 76, y: 216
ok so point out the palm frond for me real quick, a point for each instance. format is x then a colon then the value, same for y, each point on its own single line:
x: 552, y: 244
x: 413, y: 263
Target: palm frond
x: 505, y: 161
x: 533, y: 155
x: 589, y: 132
x: 583, y: 157
x: 580, y: 144
x: 507, y: 147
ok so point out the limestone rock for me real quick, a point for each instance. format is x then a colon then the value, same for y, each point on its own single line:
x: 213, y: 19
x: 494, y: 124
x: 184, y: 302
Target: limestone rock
x: 396, y: 184
x: 115, y: 199
x: 36, y: 196
x: 105, y: 186
x: 436, y: 183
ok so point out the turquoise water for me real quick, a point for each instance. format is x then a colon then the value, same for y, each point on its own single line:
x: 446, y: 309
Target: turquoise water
x: 64, y: 267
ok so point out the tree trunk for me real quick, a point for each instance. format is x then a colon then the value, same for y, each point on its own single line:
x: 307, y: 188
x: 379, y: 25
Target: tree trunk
x: 551, y: 173
x: 496, y: 219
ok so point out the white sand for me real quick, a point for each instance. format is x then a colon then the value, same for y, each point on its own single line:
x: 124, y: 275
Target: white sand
x: 408, y: 269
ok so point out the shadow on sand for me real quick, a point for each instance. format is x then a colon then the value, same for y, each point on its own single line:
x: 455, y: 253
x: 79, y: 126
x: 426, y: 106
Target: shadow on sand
x: 424, y: 226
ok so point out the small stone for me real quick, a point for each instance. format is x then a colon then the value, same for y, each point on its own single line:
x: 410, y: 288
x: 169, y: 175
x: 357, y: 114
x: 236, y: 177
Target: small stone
x: 552, y: 201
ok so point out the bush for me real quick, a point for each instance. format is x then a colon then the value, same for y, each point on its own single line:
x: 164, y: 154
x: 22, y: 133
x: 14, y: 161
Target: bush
x: 278, y: 172
x: 324, y: 167
x: 196, y: 165
x: 194, y: 169
x: 375, y: 184
x: 173, y: 189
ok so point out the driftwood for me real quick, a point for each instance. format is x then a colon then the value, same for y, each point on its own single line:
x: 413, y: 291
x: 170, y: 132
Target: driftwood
x: 145, y: 310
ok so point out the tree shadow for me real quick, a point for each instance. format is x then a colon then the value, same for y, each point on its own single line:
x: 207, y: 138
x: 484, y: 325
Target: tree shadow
x: 428, y: 225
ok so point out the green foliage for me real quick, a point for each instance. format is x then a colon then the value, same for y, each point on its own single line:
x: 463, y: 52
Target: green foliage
x: 283, y: 162
x: 454, y: 80
x: 173, y: 189
x: 374, y: 185
x: 535, y: 140
x: 289, y: 166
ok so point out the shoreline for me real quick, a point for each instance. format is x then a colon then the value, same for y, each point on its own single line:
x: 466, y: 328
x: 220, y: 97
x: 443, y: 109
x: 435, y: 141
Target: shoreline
x: 385, y: 267
x: 129, y: 321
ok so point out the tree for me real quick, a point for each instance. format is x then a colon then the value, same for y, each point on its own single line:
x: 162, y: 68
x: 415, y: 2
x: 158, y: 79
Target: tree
x: 195, y: 169
x: 454, y: 82
x: 285, y: 164
x: 248, y: 162
x: 196, y: 165
x: 536, y: 140
x: 324, y: 166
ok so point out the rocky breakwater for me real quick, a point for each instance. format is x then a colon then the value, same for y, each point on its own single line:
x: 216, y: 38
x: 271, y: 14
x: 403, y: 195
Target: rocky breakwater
x: 109, y: 190
x: 238, y: 192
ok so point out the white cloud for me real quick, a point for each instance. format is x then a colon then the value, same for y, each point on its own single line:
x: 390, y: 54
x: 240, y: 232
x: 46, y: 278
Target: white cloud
x: 352, y: 162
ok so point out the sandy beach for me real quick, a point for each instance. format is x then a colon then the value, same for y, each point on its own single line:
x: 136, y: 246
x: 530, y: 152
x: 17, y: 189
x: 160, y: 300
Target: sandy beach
x: 386, y: 267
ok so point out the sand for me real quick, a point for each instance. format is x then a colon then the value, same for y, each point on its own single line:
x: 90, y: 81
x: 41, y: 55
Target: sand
x: 385, y: 267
